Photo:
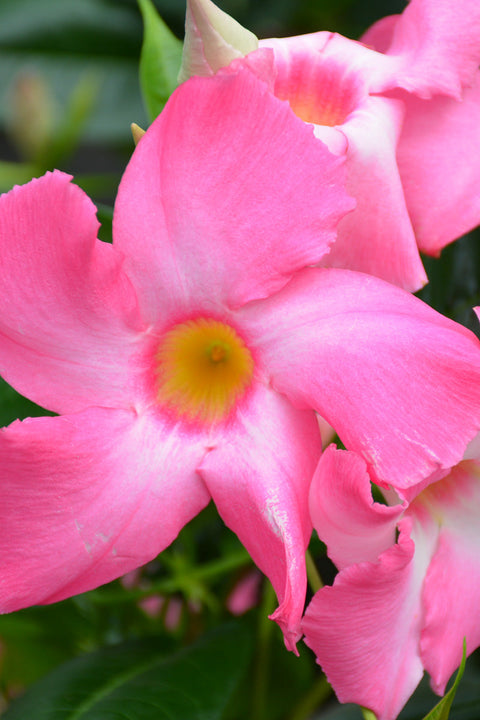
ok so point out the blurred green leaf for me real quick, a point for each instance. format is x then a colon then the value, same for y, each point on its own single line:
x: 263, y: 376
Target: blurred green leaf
x: 119, y: 96
x: 105, y: 218
x: 70, y: 26
x: 340, y: 712
x: 467, y: 698
x: 14, y: 174
x: 141, y: 681
x: 62, y: 41
x: 35, y: 640
x: 160, y: 60
x: 67, y: 133
x: 454, y: 280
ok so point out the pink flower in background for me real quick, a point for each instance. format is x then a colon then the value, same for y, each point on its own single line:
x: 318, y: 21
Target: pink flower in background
x: 245, y: 593
x: 396, y: 608
x: 187, y: 358
x: 403, y: 107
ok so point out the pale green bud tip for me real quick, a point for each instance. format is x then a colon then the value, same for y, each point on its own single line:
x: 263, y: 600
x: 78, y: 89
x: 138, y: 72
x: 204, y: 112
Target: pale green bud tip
x: 212, y: 40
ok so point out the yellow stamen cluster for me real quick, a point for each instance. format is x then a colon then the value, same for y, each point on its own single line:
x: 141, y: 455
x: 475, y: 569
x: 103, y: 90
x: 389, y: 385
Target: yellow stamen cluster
x: 203, y: 368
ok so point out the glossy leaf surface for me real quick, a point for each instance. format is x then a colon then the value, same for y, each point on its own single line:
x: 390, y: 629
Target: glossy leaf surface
x: 140, y: 681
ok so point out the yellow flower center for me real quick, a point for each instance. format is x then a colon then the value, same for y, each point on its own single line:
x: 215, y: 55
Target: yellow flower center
x: 329, y: 112
x: 203, y: 368
x: 323, y: 93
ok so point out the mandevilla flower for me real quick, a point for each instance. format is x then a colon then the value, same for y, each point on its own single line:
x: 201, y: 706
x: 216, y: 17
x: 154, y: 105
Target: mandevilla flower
x: 396, y: 607
x: 403, y: 107
x: 187, y: 358
x: 166, y: 401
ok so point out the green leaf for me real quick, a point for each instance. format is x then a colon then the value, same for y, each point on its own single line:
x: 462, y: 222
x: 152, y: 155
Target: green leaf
x: 160, y: 60
x: 140, y: 680
x: 38, y: 639
x: 441, y: 711
x: 13, y: 405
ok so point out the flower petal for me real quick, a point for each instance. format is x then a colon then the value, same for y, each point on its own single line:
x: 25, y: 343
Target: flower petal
x: 325, y: 78
x: 377, y: 237
x: 434, y: 47
x: 316, y: 91
x: 379, y: 36
x: 439, y: 169
x: 68, y: 321
x: 352, y: 526
x: 258, y: 475
x: 365, y: 629
x: 89, y: 497
x: 302, y: 46
x: 452, y: 586
x: 377, y: 364
x: 227, y: 194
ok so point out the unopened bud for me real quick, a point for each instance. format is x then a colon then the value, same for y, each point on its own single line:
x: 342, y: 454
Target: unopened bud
x: 212, y: 40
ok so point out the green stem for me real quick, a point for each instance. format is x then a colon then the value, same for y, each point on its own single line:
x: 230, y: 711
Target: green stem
x: 314, y: 579
x: 262, y: 659
x: 176, y: 583
x: 315, y: 697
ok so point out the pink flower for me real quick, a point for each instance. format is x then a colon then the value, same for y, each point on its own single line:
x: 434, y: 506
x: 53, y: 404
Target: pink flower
x: 403, y: 107
x: 186, y: 361
x: 396, y: 608
x: 245, y: 593
x: 165, y: 398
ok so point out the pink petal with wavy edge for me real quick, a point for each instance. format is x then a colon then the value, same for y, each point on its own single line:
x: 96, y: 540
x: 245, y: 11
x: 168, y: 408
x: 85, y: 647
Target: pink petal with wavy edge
x: 318, y: 88
x: 258, y: 474
x: 68, y: 322
x: 260, y: 63
x: 305, y: 46
x: 299, y: 60
x: 377, y: 364
x: 377, y: 237
x: 379, y: 36
x: 452, y: 586
x: 353, y: 526
x: 356, y: 57
x: 197, y: 212
x: 439, y: 167
x: 365, y: 629
x: 325, y: 79
x: 408, y: 495
x: 434, y: 47
x: 89, y: 497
